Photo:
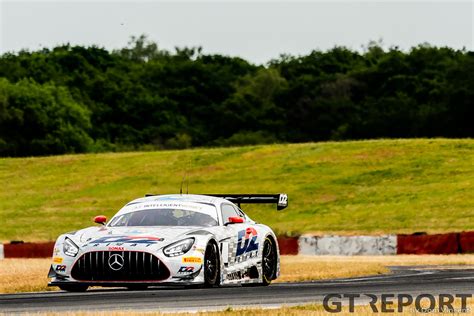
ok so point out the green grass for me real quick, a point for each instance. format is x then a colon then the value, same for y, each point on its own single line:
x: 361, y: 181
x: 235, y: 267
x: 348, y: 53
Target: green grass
x: 389, y: 186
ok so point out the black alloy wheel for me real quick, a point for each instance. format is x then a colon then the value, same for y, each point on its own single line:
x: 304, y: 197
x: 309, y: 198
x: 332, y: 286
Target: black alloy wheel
x: 269, y: 261
x: 211, y: 265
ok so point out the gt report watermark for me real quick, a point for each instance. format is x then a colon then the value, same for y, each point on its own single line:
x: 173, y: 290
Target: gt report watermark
x: 391, y: 303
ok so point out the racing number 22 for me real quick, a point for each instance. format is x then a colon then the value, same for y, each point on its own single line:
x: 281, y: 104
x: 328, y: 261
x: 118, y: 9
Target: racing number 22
x: 247, y: 241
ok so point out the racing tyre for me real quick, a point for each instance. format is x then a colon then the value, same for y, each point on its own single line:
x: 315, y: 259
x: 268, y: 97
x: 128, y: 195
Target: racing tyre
x: 269, y: 261
x: 73, y: 287
x: 211, y: 265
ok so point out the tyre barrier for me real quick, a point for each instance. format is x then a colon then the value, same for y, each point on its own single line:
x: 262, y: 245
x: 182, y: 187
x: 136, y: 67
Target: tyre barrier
x: 451, y: 243
x: 466, y: 239
x: 27, y: 250
x: 439, y: 244
x: 288, y: 245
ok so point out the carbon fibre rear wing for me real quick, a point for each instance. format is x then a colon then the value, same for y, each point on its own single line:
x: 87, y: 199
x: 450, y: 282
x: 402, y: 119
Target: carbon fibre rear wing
x: 281, y: 199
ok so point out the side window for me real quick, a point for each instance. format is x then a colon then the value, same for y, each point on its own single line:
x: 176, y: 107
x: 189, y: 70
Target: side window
x: 240, y: 212
x: 228, y: 211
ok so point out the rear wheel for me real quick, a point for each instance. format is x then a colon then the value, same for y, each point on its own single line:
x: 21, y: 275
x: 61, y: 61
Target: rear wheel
x: 269, y: 261
x: 211, y: 265
x: 73, y: 287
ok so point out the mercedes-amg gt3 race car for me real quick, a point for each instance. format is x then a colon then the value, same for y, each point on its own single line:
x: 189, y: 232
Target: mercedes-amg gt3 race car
x: 171, y: 239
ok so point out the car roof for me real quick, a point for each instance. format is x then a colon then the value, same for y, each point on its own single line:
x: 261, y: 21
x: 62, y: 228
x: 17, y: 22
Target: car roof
x: 196, y: 198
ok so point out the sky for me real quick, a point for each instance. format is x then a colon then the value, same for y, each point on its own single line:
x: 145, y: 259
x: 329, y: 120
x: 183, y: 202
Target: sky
x: 257, y: 31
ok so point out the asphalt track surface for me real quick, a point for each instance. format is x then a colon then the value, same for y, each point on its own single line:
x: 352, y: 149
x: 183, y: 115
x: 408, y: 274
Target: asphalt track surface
x: 403, y: 280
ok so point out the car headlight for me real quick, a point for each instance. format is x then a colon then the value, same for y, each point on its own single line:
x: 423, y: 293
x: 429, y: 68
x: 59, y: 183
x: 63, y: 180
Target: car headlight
x: 70, y: 248
x: 179, y: 248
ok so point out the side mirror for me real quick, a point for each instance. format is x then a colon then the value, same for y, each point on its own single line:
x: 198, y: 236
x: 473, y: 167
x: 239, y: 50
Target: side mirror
x: 101, y: 219
x: 235, y: 220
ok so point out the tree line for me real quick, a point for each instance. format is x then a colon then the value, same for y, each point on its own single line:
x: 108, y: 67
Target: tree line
x: 72, y: 99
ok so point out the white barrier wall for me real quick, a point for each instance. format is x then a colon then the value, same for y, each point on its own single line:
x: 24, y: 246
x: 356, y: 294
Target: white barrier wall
x: 347, y: 245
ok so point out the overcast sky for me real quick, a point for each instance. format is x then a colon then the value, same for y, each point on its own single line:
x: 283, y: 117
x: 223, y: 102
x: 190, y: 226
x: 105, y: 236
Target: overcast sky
x: 256, y: 31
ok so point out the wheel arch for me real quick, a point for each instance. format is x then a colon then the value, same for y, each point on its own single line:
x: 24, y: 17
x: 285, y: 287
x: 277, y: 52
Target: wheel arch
x: 213, y: 239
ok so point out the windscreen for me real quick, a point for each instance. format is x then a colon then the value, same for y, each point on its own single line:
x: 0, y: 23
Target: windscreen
x: 164, y: 217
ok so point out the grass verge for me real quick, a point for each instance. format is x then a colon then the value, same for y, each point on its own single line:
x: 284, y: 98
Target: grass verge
x: 377, y: 186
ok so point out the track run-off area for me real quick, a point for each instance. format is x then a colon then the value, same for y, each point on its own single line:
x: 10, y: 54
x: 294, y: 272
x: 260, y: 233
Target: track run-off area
x: 402, y: 280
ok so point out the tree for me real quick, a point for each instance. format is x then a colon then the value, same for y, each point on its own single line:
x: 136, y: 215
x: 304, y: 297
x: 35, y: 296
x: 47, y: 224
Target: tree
x: 41, y: 119
x: 252, y: 106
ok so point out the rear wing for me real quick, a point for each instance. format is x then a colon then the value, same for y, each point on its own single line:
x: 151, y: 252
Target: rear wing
x: 281, y: 200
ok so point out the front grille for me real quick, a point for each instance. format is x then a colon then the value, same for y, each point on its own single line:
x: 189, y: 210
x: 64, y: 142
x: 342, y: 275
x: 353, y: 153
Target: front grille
x: 119, y: 266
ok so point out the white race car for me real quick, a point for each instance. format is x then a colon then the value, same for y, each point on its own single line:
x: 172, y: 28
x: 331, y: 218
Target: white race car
x: 171, y: 239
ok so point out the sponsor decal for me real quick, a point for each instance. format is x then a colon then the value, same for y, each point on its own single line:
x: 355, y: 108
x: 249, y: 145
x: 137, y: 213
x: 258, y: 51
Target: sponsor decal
x: 247, y: 241
x: 186, y: 276
x: 186, y: 270
x: 60, y: 268
x: 144, y: 240
x: 134, y: 231
x: 192, y: 260
x: 237, y: 275
x: 201, y: 250
x: 56, y: 251
x: 179, y: 205
x: 116, y: 248
x: 58, y: 260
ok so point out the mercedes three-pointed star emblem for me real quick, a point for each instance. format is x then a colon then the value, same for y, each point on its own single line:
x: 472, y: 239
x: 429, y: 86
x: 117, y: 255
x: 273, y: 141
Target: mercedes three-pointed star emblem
x: 116, y: 262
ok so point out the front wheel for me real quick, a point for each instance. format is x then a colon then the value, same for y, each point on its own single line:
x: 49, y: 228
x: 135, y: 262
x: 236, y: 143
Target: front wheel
x: 269, y: 261
x: 211, y: 265
x: 73, y: 287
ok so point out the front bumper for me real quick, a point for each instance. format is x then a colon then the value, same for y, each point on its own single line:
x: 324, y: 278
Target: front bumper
x: 94, y: 268
x: 123, y: 284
